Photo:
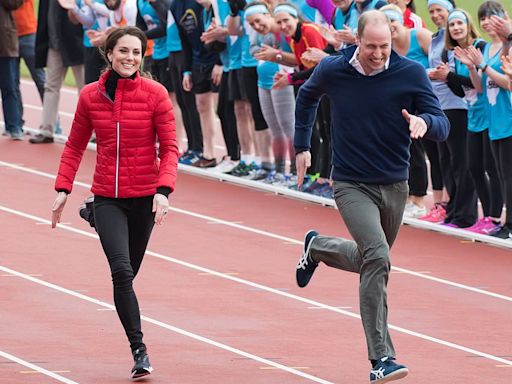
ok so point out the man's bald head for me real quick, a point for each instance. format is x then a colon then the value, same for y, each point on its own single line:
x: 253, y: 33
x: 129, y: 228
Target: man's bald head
x: 372, y: 19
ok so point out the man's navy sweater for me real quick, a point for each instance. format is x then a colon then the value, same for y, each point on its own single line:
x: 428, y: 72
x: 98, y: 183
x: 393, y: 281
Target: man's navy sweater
x: 370, y: 137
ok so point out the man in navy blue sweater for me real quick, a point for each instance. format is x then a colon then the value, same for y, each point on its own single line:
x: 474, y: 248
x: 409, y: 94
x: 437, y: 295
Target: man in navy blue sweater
x: 379, y: 102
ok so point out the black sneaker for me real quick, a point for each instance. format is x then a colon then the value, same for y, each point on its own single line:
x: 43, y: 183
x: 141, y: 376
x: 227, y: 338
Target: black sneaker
x: 306, y: 265
x: 386, y: 370
x: 142, y: 365
x: 503, y: 233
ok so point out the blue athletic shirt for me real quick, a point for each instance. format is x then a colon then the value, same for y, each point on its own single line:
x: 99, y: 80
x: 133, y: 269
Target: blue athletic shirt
x: 151, y: 19
x: 248, y: 35
x: 415, y: 51
x: 499, y: 99
x: 478, y: 119
x: 173, y: 41
x: 340, y: 18
x: 446, y: 97
x: 104, y: 20
x: 354, y: 15
x: 225, y: 55
x: 267, y: 69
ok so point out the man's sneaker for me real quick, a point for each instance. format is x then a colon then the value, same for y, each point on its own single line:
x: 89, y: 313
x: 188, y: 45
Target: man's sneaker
x: 41, y: 139
x: 414, y: 211
x: 436, y: 215
x: 306, y: 265
x: 386, y: 370
x: 142, y: 365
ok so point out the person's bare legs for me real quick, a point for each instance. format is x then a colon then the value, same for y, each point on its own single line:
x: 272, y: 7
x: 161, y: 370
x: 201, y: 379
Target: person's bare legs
x: 205, y: 105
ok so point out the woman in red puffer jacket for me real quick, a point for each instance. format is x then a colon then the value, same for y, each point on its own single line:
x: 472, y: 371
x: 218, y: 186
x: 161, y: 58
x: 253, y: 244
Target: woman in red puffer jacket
x: 128, y: 113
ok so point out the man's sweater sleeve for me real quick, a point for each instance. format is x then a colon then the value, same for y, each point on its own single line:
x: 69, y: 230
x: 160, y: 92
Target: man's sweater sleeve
x: 306, y: 106
x: 428, y: 108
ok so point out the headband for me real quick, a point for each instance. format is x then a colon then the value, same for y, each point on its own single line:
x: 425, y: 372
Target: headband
x: 255, y: 9
x: 394, y: 15
x: 443, y: 3
x: 286, y: 8
x: 458, y: 15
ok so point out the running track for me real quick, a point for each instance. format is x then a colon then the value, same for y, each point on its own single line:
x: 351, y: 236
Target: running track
x: 218, y: 295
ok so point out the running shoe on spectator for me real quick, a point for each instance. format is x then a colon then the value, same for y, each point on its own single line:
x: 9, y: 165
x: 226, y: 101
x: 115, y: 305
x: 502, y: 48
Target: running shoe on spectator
x: 243, y: 169
x: 203, y: 162
x: 190, y: 157
x: 503, y: 233
x: 257, y: 173
x: 484, y: 226
x: 414, y: 211
x: 436, y: 215
x: 226, y: 165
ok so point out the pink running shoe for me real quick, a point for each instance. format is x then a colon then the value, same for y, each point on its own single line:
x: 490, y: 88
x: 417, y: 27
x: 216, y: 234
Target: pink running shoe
x: 436, y: 215
x: 484, y: 226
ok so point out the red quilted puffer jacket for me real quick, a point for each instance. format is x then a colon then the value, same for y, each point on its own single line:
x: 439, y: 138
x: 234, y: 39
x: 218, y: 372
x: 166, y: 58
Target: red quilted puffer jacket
x: 126, y: 132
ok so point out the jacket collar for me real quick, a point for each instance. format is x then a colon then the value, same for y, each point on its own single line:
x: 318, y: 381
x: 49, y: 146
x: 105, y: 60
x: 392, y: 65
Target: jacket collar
x: 124, y: 84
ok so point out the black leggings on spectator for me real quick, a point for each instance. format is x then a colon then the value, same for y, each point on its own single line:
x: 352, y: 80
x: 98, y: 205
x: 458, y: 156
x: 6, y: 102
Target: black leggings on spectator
x: 502, y: 151
x: 187, y: 103
x: 485, y: 173
x: 226, y: 112
x: 124, y: 227
x: 436, y: 174
x: 418, y: 176
x: 462, y: 207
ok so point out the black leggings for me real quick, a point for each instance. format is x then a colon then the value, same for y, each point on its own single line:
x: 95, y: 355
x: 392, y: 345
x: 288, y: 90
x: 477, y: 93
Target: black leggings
x: 226, y: 112
x: 485, y: 174
x: 124, y: 227
x: 187, y: 103
x: 462, y: 207
x: 502, y: 151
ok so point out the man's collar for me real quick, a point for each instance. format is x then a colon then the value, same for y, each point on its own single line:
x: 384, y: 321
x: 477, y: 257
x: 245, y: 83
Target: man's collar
x: 358, y: 67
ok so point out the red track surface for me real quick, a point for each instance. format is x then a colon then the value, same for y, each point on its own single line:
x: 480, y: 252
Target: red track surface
x: 454, y: 316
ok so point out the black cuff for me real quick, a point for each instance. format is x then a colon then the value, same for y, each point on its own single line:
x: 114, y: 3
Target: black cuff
x: 63, y: 190
x: 166, y: 191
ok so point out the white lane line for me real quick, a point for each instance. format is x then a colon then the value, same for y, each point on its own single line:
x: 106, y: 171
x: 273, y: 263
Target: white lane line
x: 170, y: 327
x: 39, y: 108
x: 422, y: 275
x: 37, y: 368
x: 256, y: 286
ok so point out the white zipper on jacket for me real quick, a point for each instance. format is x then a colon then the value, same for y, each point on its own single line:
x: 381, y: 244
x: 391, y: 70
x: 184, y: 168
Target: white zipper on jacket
x: 117, y: 159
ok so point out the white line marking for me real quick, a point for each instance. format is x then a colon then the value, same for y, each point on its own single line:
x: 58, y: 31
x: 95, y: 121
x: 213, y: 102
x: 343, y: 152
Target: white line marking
x: 170, y: 327
x: 268, y: 289
x: 278, y: 237
x: 39, y: 108
x: 60, y: 378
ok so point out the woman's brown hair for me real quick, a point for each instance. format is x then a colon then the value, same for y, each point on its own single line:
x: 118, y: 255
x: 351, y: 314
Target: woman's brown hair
x: 114, y: 36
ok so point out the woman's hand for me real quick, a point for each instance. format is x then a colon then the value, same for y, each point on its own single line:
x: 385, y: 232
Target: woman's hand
x: 58, y: 207
x: 462, y: 56
x: 280, y: 80
x: 475, y: 55
x: 187, y: 82
x: 160, y: 207
x: 313, y: 55
x: 266, y: 53
x: 506, y: 65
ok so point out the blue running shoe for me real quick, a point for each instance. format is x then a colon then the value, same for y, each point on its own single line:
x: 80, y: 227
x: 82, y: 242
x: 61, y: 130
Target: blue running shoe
x: 386, y: 370
x: 306, y: 265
